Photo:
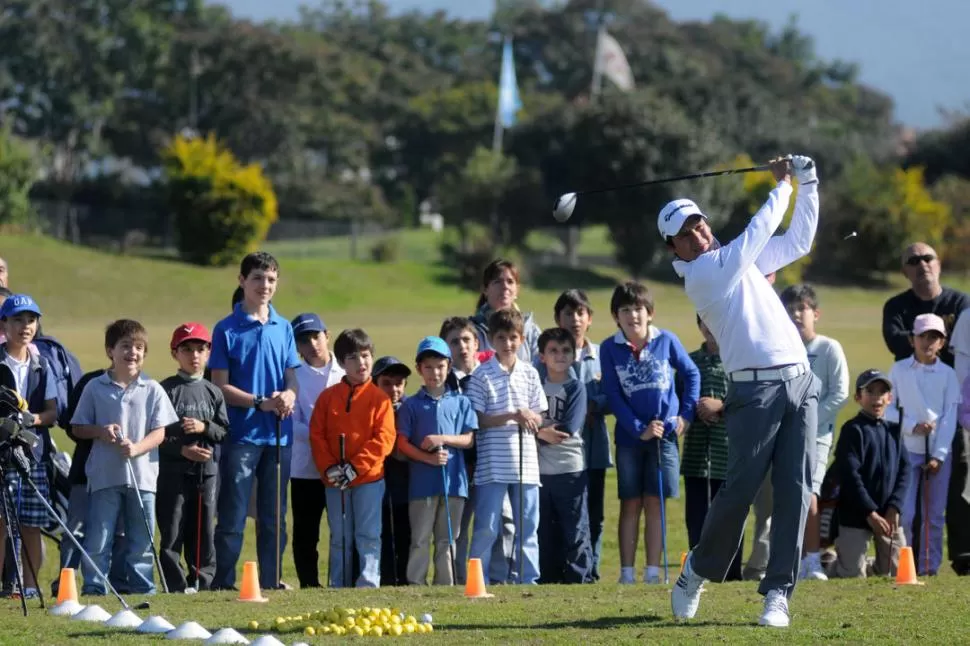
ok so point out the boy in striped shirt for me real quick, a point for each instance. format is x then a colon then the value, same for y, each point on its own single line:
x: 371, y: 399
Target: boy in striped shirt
x: 508, y: 397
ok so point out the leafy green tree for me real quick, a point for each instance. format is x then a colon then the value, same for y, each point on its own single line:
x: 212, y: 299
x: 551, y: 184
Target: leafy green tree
x: 19, y: 165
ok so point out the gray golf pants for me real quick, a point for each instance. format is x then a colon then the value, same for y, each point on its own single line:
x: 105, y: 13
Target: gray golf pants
x: 771, y: 425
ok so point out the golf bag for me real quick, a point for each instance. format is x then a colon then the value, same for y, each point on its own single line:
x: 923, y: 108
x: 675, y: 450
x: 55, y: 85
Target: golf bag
x: 64, y: 369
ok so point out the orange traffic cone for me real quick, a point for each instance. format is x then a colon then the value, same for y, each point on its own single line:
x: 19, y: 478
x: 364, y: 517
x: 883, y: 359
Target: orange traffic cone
x: 67, y: 586
x: 475, y: 581
x: 906, y: 572
x: 249, y: 590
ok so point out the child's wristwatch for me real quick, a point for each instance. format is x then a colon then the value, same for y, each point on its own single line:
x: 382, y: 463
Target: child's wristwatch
x: 258, y: 401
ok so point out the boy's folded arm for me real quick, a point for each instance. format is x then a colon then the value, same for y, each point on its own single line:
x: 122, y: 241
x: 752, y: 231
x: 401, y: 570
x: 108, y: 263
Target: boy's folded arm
x: 151, y: 440
x: 87, y: 431
x: 574, y: 417
x: 217, y: 428
x: 410, y: 451
x: 486, y: 422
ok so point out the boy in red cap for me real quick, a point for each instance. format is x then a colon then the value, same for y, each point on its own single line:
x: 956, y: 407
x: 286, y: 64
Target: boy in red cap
x: 189, y: 459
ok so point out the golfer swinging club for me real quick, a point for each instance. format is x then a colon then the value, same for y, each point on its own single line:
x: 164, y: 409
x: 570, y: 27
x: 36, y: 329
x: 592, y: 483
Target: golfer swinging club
x: 771, y: 405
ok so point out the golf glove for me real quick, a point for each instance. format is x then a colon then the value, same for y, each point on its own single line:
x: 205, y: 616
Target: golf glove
x: 349, y: 473
x: 804, y: 169
x: 335, y: 474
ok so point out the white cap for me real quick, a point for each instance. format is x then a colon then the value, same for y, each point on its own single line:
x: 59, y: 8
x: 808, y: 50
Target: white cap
x: 674, y: 214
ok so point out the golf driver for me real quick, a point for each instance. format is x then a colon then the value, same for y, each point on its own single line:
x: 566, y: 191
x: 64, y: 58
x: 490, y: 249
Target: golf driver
x: 390, y: 522
x: 148, y: 526
x: 277, y: 556
x: 926, y: 503
x: 451, y: 535
x: 663, y: 504
x: 343, y: 516
x: 198, y: 529
x: 518, y: 530
x: 566, y: 203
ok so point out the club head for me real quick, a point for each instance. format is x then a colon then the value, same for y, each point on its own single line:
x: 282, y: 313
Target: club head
x: 144, y: 605
x: 851, y: 235
x: 565, y: 206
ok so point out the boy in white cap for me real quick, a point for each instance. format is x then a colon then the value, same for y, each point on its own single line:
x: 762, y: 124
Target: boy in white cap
x: 928, y: 393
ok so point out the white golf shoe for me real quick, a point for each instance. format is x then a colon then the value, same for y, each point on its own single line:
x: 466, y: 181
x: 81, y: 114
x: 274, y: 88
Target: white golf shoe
x: 686, y: 594
x: 775, y: 613
x: 812, y: 569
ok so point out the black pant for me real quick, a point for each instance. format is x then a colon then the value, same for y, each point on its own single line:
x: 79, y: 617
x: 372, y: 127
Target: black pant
x: 394, y: 566
x: 177, y: 509
x: 595, y: 499
x: 695, y: 511
x: 308, y: 500
x: 957, y: 506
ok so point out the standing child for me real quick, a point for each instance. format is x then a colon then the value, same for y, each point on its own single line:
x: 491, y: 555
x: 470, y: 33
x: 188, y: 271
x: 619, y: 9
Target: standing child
x: 574, y: 313
x: 638, y: 378
x: 254, y: 362
x: 928, y: 393
x: 433, y: 428
x: 317, y: 373
x: 125, y: 413
x: 19, y: 319
x: 565, y: 555
x: 507, y: 395
x: 828, y: 362
x: 189, y: 463
x: 391, y: 376
x: 872, y: 468
x: 358, y: 415
x: 704, y: 464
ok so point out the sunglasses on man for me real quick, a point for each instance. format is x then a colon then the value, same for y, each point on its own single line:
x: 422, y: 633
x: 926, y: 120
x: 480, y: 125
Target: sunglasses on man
x: 913, y: 261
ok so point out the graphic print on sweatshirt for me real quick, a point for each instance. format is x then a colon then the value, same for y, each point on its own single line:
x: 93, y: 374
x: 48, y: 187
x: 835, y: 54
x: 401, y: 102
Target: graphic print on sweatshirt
x: 647, y: 373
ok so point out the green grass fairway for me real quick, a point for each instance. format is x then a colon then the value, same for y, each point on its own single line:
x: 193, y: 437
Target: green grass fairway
x: 81, y: 290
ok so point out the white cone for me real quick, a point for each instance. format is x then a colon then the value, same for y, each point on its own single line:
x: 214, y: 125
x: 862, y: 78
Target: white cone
x: 92, y: 613
x: 189, y: 630
x: 155, y: 625
x: 227, y: 636
x: 267, y: 640
x: 66, y: 609
x: 124, y: 619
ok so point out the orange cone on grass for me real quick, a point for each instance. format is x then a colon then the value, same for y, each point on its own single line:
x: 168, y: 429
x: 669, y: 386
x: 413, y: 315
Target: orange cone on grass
x: 906, y: 572
x: 475, y: 580
x: 683, y: 559
x: 249, y: 590
x: 67, y: 586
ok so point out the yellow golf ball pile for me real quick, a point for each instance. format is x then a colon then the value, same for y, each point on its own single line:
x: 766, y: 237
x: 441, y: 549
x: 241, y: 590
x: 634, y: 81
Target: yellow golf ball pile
x: 359, y: 622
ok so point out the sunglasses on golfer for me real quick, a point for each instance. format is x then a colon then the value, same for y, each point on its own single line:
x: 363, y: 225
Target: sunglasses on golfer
x: 913, y: 261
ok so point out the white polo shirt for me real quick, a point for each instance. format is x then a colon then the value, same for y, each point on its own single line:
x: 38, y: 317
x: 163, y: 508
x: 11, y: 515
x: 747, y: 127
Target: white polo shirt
x: 734, y: 299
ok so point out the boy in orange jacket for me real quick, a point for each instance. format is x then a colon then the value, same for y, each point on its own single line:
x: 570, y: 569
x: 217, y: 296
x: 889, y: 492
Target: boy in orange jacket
x: 351, y: 432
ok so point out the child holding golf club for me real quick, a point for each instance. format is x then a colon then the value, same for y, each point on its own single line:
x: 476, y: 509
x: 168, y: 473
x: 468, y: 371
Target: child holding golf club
x: 189, y: 464
x: 433, y: 427
x: 19, y: 320
x: 318, y: 372
x: 391, y: 376
x: 704, y: 458
x: 828, y: 363
x: 351, y: 433
x: 565, y: 555
x: 926, y: 389
x: 873, y: 470
x: 126, y: 414
x: 638, y: 378
x: 500, y: 289
x: 573, y: 312
x: 507, y: 395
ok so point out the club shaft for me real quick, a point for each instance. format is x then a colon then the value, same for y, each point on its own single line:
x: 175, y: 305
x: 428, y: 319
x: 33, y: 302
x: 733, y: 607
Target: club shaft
x: 678, y: 178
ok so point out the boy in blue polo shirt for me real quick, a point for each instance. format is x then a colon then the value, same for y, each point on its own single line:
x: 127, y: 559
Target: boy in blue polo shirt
x: 430, y: 423
x: 19, y: 319
x: 254, y: 361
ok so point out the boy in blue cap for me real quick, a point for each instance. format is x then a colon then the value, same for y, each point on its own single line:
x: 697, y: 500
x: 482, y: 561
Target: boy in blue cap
x: 390, y: 374
x: 431, y: 425
x: 19, y: 318
x: 318, y: 372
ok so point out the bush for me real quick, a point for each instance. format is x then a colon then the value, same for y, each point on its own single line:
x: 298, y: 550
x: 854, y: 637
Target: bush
x: 223, y: 210
x: 385, y: 250
x: 18, y: 171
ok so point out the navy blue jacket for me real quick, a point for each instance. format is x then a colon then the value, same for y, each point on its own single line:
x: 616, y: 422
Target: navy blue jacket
x: 872, y: 467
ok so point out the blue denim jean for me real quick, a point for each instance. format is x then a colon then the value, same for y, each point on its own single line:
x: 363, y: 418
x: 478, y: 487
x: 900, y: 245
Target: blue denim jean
x: 565, y: 552
x: 355, y: 522
x: 77, y: 518
x: 488, y: 523
x: 241, y: 463
x: 104, y: 507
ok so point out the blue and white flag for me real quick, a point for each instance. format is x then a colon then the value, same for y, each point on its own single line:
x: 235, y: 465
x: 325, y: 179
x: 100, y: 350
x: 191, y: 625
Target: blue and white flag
x: 509, y: 102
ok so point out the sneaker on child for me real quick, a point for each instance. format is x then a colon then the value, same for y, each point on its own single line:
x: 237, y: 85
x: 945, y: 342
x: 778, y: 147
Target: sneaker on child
x: 812, y: 569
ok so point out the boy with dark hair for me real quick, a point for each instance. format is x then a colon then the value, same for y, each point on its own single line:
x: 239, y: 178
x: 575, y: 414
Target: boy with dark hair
x: 19, y: 319
x: 433, y: 428
x: 704, y: 458
x: 188, y: 468
x: 872, y: 466
x: 391, y: 376
x: 565, y: 555
x: 828, y: 362
x: 318, y: 372
x: 125, y: 413
x: 354, y: 415
x: 573, y: 312
x: 639, y: 362
x: 507, y: 395
x: 253, y: 362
